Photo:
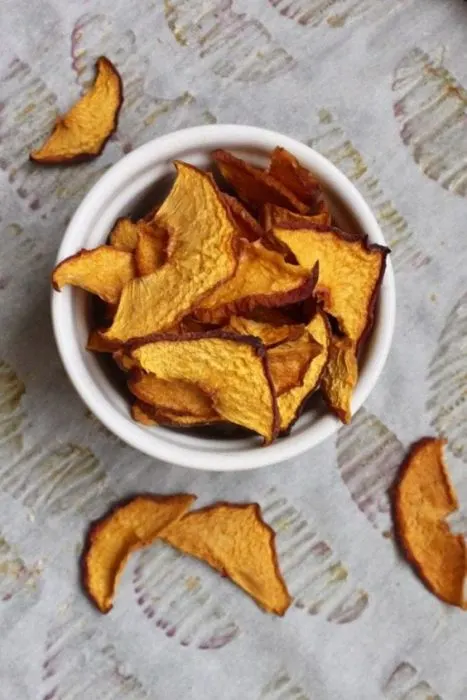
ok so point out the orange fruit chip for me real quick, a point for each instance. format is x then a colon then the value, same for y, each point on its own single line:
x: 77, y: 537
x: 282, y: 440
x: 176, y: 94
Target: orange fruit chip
x: 231, y: 369
x: 124, y: 234
x: 341, y: 256
x: 128, y: 527
x: 234, y: 540
x: 201, y: 257
x: 423, y: 498
x: 98, y: 343
x: 150, y: 249
x: 103, y: 271
x: 273, y: 216
x: 269, y: 334
x: 262, y: 278
x: 246, y: 224
x: 254, y: 186
x: 340, y: 377
x: 291, y: 402
x: 83, y: 131
x: 177, y: 396
x: 289, y: 362
x: 285, y: 168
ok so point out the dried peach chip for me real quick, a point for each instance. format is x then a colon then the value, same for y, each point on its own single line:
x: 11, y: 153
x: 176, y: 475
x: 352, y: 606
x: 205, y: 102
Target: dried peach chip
x: 269, y: 334
x: 340, y: 377
x: 176, y: 396
x: 202, y: 237
x: 103, y: 271
x: 274, y: 216
x: 299, y: 180
x: 291, y: 402
x: 143, y: 413
x: 262, y: 278
x: 124, y: 234
x: 111, y: 540
x: 350, y: 272
x: 150, y: 249
x: 235, y: 540
x: 289, y: 362
x: 423, y: 498
x: 99, y: 343
x: 254, y: 186
x: 246, y: 224
x: 231, y: 369
x: 83, y: 131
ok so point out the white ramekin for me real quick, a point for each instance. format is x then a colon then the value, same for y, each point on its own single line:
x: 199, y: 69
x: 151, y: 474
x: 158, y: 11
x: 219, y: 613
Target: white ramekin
x: 117, y: 193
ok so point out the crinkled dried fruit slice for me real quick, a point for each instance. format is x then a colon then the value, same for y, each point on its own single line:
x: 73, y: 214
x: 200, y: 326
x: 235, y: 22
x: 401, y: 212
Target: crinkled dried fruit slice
x: 99, y: 343
x: 231, y: 369
x: 150, y: 249
x: 254, y: 186
x: 151, y: 415
x: 202, y: 256
x: 285, y: 168
x: 350, y: 272
x: 124, y: 234
x: 262, y: 278
x: 269, y: 334
x: 83, y: 131
x: 291, y: 402
x: 423, y: 498
x: 340, y: 377
x: 124, y: 360
x: 235, y: 540
x: 273, y: 215
x: 128, y: 527
x: 248, y: 227
x: 103, y: 271
x: 289, y: 362
x: 176, y: 396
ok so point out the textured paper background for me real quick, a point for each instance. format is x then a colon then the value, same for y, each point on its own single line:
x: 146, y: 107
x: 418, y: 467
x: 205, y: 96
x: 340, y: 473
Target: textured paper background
x: 376, y: 86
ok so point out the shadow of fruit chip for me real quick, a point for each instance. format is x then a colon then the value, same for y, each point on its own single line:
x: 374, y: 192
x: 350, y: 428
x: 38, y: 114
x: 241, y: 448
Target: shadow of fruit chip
x: 234, y: 540
x: 423, y: 498
x: 111, y: 540
x: 83, y: 131
x: 230, y: 368
x: 103, y: 271
x: 202, y: 256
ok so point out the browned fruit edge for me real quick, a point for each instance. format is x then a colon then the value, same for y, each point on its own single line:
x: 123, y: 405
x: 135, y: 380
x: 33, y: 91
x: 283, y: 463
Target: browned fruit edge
x: 86, y: 157
x: 272, y: 542
x: 254, y: 342
x: 397, y: 514
x: 96, y: 526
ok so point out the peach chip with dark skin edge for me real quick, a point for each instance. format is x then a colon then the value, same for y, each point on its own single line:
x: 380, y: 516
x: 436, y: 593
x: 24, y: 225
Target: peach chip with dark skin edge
x: 81, y: 133
x: 423, y: 497
x: 235, y: 540
x: 130, y: 526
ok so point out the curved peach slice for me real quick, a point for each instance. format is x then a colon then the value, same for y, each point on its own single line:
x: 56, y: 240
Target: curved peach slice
x: 340, y: 377
x: 103, y: 271
x: 83, y: 131
x: 235, y: 540
x: 128, y: 527
x: 424, y: 497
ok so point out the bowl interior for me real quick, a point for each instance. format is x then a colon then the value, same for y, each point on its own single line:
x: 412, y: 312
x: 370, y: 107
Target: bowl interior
x: 131, y: 187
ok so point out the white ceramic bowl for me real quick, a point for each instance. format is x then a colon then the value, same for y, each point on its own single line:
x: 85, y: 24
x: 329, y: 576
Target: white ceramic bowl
x: 117, y: 193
